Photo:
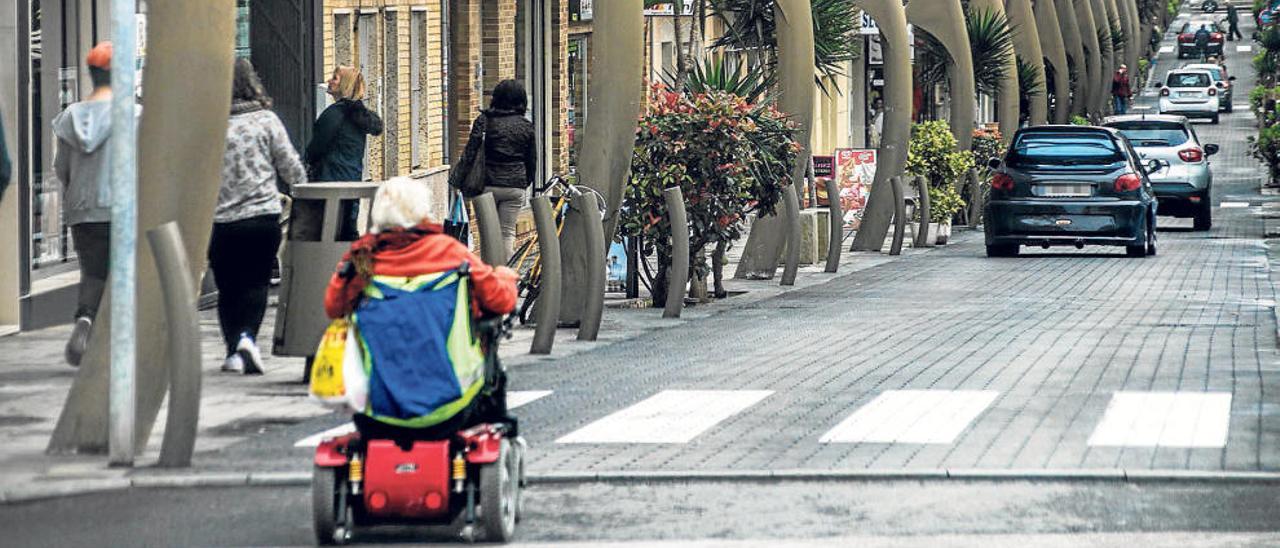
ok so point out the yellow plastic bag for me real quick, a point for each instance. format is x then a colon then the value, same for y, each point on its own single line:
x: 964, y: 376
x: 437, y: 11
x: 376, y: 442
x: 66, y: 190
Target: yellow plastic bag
x: 328, y: 384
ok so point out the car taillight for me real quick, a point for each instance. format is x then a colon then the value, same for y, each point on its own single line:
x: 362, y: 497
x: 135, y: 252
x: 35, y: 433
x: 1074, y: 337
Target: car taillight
x: 1128, y: 182
x: 1164, y: 92
x: 1191, y: 155
x: 1216, y: 36
x: 1001, y: 181
x: 1212, y: 92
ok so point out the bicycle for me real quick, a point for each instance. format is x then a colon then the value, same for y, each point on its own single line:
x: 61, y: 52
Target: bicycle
x: 526, y: 260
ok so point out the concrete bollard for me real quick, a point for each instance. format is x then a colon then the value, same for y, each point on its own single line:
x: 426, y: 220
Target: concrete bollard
x: 899, y: 215
x: 183, y: 322
x: 837, y: 227
x: 592, y: 225
x: 547, y: 309
x: 791, y: 201
x: 678, y: 272
x: 492, y: 250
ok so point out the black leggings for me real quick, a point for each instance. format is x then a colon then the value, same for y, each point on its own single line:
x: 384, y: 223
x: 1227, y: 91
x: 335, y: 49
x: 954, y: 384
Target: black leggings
x: 241, y: 254
x: 93, y: 246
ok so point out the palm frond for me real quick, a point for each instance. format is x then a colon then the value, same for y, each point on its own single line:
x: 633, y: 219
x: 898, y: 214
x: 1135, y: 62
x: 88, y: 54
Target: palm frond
x: 990, y: 43
x: 723, y: 73
x: 1029, y: 81
x: 751, y: 31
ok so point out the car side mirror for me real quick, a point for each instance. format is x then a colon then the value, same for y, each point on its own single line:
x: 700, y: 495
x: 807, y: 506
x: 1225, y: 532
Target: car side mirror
x: 1231, y: 78
x: 993, y: 163
x: 1210, y: 149
x: 1220, y: 84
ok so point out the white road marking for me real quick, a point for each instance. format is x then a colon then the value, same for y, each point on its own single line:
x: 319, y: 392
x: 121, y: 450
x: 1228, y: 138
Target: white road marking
x: 912, y: 416
x: 515, y: 398
x: 1166, y: 49
x: 670, y: 416
x: 1165, y: 419
x: 1244, y: 49
x: 1232, y: 205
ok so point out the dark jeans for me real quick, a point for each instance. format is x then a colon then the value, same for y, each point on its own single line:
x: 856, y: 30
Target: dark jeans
x: 1233, y: 33
x: 241, y: 255
x: 93, y: 245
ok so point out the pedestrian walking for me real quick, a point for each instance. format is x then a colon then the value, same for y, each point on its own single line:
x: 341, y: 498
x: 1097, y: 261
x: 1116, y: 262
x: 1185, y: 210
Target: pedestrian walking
x: 246, y: 229
x: 510, y: 154
x: 1233, y: 23
x: 1121, y: 91
x: 80, y: 161
x: 337, y: 147
x: 6, y: 168
x: 876, y: 126
x: 1202, y: 42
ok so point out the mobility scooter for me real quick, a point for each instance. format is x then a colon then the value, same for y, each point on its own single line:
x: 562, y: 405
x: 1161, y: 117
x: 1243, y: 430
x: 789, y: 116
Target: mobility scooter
x: 470, y: 481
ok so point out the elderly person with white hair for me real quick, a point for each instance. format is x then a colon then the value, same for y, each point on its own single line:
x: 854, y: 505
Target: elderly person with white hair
x: 410, y: 310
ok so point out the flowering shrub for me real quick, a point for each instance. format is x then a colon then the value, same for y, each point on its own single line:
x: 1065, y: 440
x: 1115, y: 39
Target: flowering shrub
x: 726, y: 154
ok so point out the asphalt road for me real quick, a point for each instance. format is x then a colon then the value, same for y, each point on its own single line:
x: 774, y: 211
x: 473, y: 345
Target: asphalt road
x: 675, y: 514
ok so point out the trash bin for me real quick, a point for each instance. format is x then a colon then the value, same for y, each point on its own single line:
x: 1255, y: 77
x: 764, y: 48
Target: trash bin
x: 314, y: 248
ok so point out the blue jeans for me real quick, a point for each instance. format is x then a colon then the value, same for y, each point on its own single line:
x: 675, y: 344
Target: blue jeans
x: 1122, y: 104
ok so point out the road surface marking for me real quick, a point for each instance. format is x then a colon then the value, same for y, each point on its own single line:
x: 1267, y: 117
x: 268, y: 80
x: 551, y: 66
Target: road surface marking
x: 515, y: 398
x: 1165, y: 419
x: 912, y: 416
x: 1244, y: 49
x: 1230, y: 205
x: 1166, y: 49
x: 670, y: 416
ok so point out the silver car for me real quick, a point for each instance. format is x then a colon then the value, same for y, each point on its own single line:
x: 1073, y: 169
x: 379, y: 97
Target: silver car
x: 1184, y: 188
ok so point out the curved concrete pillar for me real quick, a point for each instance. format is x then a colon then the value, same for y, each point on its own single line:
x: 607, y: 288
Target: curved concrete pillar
x: 945, y: 21
x: 181, y: 138
x: 794, y: 20
x: 892, y: 156
x: 1075, y: 51
x: 1093, y: 57
x: 1007, y: 97
x: 1102, y: 23
x: 614, y: 98
x: 1026, y: 42
x: 1055, y: 50
x: 1132, y: 33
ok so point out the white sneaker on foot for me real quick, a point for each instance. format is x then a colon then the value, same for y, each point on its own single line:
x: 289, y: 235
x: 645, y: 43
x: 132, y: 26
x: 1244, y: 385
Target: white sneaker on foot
x: 233, y: 364
x: 79, y: 340
x: 250, y: 355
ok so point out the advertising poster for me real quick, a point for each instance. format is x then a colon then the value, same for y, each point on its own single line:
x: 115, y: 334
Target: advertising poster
x: 855, y: 169
x: 824, y: 168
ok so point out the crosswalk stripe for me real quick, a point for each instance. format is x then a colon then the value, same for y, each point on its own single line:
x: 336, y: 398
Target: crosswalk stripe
x: 1231, y: 205
x: 912, y: 416
x: 1244, y: 49
x: 1166, y: 49
x: 515, y: 398
x: 1165, y: 419
x: 670, y: 416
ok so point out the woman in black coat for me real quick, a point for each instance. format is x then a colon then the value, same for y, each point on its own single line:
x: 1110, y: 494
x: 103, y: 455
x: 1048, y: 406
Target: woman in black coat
x: 510, y: 154
x: 337, y: 147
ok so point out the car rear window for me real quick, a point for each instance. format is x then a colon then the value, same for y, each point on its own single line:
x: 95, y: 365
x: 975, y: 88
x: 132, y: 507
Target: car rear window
x: 1065, y: 148
x: 1188, y: 80
x: 1151, y: 133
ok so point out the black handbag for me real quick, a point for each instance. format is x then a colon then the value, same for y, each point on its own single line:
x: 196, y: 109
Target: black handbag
x: 473, y: 184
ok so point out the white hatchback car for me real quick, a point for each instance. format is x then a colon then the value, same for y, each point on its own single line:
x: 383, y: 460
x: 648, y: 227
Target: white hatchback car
x: 1191, y: 93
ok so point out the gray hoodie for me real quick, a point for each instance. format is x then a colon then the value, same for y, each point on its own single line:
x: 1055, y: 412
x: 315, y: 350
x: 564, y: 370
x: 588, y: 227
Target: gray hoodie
x: 80, y: 161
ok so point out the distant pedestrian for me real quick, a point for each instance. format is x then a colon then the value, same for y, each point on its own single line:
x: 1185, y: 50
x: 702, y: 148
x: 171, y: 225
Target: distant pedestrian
x: 876, y: 126
x: 1202, y: 42
x: 6, y: 168
x: 1121, y: 90
x: 80, y: 162
x: 246, y: 230
x: 337, y: 147
x: 510, y: 154
x: 1233, y: 23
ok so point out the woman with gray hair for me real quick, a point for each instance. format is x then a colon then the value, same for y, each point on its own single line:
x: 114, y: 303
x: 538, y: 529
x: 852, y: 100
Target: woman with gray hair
x: 246, y: 224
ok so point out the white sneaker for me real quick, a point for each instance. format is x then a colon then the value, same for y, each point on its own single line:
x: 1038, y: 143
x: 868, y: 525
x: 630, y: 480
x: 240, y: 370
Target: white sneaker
x: 79, y: 340
x: 233, y: 364
x: 248, y: 352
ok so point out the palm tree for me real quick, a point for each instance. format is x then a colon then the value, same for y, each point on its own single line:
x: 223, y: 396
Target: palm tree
x: 750, y: 30
x: 990, y: 41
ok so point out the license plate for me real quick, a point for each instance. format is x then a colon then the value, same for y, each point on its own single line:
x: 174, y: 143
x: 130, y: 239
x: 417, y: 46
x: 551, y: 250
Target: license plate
x: 1188, y: 94
x: 1065, y: 190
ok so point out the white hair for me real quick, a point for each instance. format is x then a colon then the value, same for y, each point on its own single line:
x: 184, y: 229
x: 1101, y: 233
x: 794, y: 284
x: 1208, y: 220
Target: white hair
x: 401, y: 202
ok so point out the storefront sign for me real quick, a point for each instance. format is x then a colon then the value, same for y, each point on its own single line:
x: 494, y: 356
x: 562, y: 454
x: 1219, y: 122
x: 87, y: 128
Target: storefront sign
x: 669, y: 9
x: 869, y: 25
x: 824, y: 168
x: 855, y: 169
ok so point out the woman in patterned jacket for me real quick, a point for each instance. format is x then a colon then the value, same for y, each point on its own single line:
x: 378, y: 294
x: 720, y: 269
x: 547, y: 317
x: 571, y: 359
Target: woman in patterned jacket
x: 246, y: 229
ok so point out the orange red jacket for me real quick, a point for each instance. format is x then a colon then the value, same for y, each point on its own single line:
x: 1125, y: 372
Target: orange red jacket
x: 493, y: 290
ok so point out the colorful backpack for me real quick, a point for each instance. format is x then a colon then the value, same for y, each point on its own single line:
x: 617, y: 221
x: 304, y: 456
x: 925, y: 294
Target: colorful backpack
x: 424, y: 363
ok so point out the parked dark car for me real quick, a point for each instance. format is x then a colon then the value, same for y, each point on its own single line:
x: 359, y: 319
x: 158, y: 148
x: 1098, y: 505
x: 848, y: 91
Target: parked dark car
x: 1187, y: 37
x: 1071, y: 186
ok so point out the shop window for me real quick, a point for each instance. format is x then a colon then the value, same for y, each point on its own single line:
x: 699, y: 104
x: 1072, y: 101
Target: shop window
x: 341, y: 39
x: 418, y: 59
x: 366, y: 41
x: 578, y: 61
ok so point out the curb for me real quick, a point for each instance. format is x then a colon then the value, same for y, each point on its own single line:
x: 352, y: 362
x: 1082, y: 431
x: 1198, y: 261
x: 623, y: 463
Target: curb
x: 303, y: 479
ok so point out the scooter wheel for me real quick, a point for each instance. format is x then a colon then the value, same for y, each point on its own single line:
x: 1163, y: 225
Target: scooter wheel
x: 326, y: 490
x: 499, y: 496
